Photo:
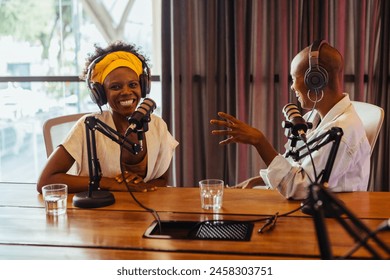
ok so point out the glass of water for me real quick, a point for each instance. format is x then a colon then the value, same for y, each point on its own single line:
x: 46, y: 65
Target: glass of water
x: 55, y: 197
x: 211, y: 193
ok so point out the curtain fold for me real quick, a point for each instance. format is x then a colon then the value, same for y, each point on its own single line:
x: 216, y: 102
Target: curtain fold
x: 234, y: 56
x: 380, y: 95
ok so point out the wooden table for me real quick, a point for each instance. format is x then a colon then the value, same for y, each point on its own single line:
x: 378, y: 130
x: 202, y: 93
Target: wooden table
x: 116, y: 231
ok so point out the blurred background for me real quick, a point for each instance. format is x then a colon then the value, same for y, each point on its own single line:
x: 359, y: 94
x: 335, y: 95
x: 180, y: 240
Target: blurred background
x: 43, y: 45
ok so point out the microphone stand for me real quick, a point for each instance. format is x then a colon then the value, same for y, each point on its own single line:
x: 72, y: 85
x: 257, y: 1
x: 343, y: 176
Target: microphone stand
x: 94, y: 197
x: 321, y: 197
x: 322, y: 203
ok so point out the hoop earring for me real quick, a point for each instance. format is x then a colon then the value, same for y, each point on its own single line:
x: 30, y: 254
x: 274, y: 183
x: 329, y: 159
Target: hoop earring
x: 317, y: 100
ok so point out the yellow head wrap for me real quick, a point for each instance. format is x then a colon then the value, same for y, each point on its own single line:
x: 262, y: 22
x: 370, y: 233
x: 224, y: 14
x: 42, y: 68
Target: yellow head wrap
x: 114, y: 60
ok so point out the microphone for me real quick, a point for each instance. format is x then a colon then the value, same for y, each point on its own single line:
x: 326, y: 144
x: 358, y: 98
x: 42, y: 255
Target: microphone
x: 141, y: 115
x: 295, y: 121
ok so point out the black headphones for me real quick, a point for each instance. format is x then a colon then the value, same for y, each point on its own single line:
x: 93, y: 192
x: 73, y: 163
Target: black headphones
x: 316, y: 77
x: 97, y: 90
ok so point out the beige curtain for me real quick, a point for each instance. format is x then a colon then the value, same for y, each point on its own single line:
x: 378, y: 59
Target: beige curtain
x: 234, y: 56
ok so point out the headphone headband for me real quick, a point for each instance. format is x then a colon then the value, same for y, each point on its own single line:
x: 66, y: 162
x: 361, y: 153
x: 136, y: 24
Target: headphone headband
x: 314, y: 53
x: 90, y: 68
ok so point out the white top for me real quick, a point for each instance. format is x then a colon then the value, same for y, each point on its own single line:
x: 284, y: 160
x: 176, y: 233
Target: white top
x: 351, y: 167
x: 160, y: 146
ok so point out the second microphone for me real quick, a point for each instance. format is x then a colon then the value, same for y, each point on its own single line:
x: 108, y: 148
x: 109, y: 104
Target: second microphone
x: 295, y: 121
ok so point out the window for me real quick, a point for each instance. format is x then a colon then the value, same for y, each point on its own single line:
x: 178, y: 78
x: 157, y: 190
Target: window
x: 43, y: 45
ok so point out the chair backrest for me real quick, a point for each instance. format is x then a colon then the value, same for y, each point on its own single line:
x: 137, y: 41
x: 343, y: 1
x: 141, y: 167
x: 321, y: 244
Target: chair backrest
x: 56, y: 129
x: 372, y: 117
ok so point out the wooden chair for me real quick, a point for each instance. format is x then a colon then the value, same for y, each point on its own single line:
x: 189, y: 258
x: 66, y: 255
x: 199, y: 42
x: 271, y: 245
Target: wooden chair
x: 56, y: 129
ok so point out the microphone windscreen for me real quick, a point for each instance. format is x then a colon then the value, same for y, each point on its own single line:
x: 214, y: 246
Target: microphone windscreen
x: 291, y: 111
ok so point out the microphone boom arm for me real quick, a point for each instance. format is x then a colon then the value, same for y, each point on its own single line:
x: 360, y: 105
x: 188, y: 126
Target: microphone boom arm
x: 333, y: 135
x: 321, y: 199
x: 92, y: 124
x: 95, y: 197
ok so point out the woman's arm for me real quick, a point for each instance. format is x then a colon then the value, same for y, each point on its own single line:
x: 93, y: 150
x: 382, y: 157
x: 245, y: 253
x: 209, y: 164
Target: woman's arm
x: 240, y: 132
x: 58, y: 164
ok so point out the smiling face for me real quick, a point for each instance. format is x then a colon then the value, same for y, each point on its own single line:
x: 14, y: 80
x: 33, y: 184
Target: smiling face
x: 299, y: 88
x: 299, y: 66
x: 123, y: 91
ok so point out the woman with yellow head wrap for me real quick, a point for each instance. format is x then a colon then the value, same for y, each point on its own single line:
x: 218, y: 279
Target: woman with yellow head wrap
x: 101, y: 66
x: 114, y: 60
x: 114, y: 73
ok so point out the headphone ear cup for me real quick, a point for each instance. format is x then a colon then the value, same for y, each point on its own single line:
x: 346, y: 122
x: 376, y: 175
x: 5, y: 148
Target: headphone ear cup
x: 97, y: 94
x: 145, y: 84
x: 316, y: 78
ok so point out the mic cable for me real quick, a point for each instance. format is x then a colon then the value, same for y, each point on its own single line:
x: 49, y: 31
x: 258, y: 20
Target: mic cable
x: 150, y: 210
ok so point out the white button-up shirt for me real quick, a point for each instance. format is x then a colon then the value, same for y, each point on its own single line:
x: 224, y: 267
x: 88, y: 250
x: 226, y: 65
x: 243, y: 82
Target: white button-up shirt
x: 351, y: 168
